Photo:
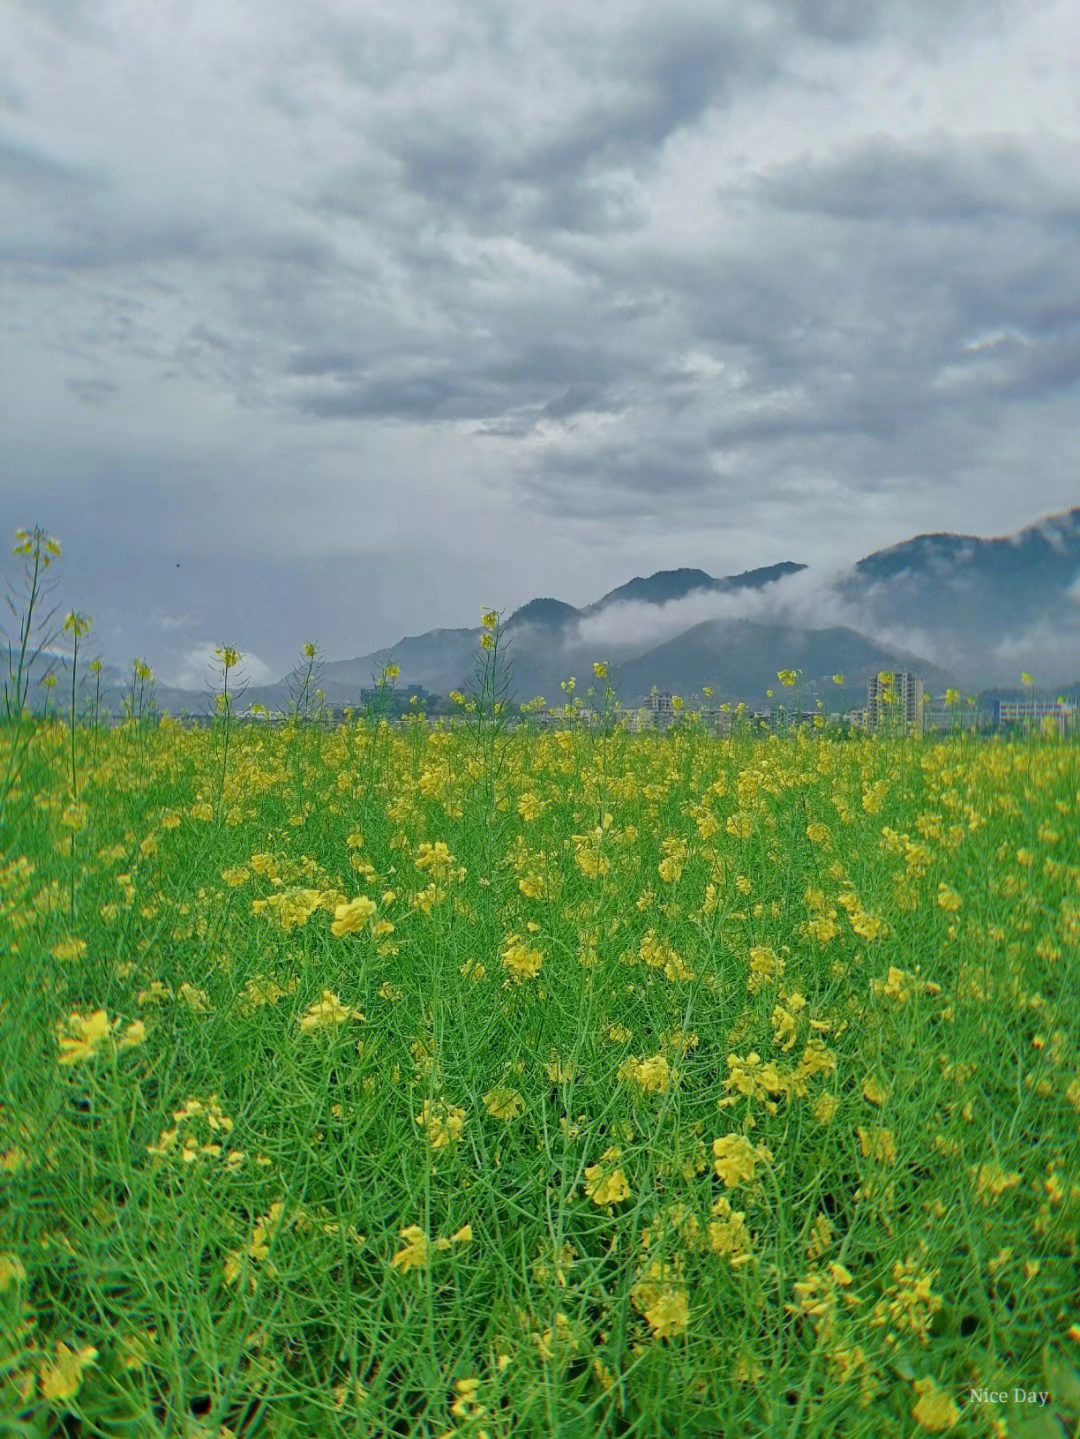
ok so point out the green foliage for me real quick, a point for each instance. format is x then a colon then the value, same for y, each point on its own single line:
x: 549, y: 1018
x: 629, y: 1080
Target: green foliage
x: 656, y: 1083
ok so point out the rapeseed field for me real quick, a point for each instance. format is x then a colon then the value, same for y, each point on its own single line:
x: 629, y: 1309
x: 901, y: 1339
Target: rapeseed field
x: 428, y: 1082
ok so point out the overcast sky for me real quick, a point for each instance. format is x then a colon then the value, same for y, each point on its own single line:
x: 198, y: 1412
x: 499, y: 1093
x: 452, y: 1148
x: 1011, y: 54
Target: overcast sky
x: 336, y: 320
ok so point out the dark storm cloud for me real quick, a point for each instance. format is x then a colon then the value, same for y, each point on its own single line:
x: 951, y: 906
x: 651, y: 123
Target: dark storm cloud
x: 687, y: 275
x: 662, y: 74
x: 945, y: 182
x: 93, y: 392
x: 322, y: 362
x: 29, y: 168
x: 110, y: 241
x: 563, y: 380
x: 539, y: 361
x: 425, y: 397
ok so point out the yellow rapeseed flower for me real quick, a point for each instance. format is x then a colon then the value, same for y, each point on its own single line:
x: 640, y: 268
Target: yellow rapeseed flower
x: 603, y: 1187
x: 352, y: 917
x: 327, y: 1011
x: 878, y: 1144
x: 660, y: 1295
x: 61, y: 1378
x: 417, y: 1251
x: 89, y: 1033
x: 948, y: 899
x: 68, y: 949
x: 443, y: 1122
x: 651, y: 1075
x: 935, y: 1410
x: 668, y: 1314
x: 530, y: 807
x: 11, y: 1269
x: 735, y: 1158
x: 504, y: 1103
x: 521, y: 962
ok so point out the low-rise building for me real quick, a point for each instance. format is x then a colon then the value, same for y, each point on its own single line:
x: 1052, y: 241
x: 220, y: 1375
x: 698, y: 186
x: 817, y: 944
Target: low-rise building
x: 1034, y: 713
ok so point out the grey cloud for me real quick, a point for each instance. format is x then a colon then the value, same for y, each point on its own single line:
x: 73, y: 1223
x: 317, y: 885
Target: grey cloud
x: 93, y: 392
x: 450, y: 167
x: 574, y: 400
x: 617, y: 476
x: 939, y: 181
x: 466, y: 231
x: 924, y: 23
x: 31, y: 168
x: 12, y: 96
x: 83, y: 222
x: 669, y: 73
x: 418, y: 397
x: 80, y: 20
x: 541, y: 361
x: 322, y: 362
x: 657, y: 77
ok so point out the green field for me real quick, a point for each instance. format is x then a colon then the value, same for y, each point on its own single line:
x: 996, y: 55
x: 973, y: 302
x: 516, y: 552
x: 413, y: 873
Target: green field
x: 592, y: 1083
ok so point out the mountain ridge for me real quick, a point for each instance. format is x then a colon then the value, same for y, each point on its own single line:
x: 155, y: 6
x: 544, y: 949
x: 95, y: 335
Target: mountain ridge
x: 958, y: 609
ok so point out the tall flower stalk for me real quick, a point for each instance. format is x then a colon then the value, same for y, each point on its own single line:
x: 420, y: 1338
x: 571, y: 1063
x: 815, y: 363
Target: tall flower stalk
x: 76, y: 625
x: 228, y: 658
x: 487, y: 701
x: 40, y: 549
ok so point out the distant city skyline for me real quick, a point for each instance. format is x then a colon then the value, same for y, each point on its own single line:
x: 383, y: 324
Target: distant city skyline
x: 334, y: 324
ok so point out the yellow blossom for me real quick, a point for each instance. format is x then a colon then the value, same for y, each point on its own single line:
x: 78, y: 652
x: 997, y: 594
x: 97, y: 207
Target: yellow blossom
x: 735, y: 1158
x: 652, y: 1075
x: 520, y: 961
x: 196, y: 1000
x: 327, y: 1011
x: 87, y: 1034
x: 352, y: 917
x: 606, y: 1188
x: 662, y: 1299
x: 443, y: 1122
x: 70, y: 948
x: 10, y: 1269
x: 504, y: 1103
x: 935, y: 1409
x: 61, y: 1378
x: 877, y: 1144
x: 416, y: 1253
x: 948, y: 899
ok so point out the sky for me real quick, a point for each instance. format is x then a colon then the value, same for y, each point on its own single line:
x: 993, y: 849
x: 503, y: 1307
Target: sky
x: 338, y: 320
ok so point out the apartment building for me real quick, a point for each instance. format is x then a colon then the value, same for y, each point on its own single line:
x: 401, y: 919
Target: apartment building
x: 895, y: 698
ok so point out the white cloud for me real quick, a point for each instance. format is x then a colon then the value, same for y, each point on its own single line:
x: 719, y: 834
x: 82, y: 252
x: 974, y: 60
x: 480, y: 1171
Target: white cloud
x: 199, y: 669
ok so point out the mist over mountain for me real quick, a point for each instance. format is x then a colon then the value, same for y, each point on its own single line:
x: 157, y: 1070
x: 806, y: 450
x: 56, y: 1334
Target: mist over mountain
x: 983, y: 609
x: 956, y: 609
x: 741, y: 655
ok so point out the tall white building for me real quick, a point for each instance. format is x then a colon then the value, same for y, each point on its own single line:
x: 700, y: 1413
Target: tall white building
x: 906, y: 704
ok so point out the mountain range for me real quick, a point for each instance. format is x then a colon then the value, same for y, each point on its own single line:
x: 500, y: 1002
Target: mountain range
x: 956, y: 609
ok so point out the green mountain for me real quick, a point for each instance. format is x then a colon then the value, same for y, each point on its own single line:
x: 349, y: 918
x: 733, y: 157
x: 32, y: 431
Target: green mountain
x: 740, y: 659
x: 668, y: 585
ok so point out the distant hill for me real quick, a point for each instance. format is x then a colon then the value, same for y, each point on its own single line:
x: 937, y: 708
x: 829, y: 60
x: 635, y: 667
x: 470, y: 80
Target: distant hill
x: 740, y: 659
x: 549, y: 613
x: 988, y: 607
x: 667, y: 585
x: 956, y: 609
